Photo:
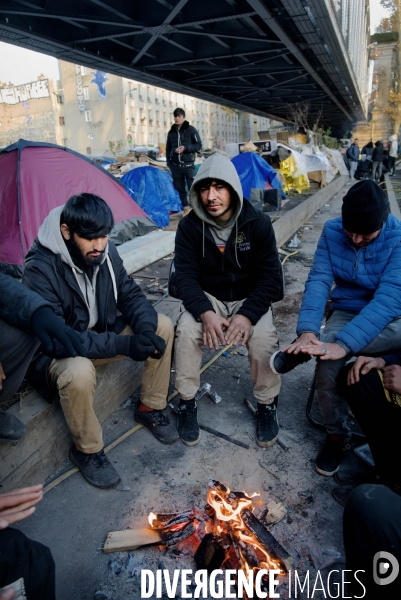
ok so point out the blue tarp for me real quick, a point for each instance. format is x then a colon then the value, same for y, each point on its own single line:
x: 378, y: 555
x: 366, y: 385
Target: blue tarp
x: 254, y: 172
x: 154, y: 192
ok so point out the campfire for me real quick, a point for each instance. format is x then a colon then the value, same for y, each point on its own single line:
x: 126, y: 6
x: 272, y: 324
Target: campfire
x: 226, y: 535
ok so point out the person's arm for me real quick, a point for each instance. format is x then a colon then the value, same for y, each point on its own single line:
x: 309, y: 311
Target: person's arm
x: 381, y: 310
x: 267, y: 271
x: 317, y: 290
x: 196, y: 142
x: 95, y: 345
x: 168, y: 149
x: 188, y: 272
x: 17, y: 303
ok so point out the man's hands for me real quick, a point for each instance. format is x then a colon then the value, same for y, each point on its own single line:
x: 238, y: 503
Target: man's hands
x: 213, y: 329
x: 325, y: 351
x: 2, y: 377
x: 240, y: 327
x: 157, y: 341
x: 48, y: 326
x: 304, y: 340
x: 226, y: 331
x: 180, y: 149
x: 141, y: 346
x: 362, y: 366
x: 19, y: 504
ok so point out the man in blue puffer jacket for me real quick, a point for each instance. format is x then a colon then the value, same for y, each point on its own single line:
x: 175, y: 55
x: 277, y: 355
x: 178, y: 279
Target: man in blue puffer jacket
x: 360, y: 253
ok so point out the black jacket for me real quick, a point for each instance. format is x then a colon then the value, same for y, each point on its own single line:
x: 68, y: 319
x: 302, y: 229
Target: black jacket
x: 46, y: 273
x: 17, y: 304
x: 200, y: 266
x: 377, y: 155
x: 186, y: 136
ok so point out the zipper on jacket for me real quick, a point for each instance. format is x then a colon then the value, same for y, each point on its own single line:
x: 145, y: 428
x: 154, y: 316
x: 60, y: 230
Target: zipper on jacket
x: 179, y: 144
x: 355, y: 263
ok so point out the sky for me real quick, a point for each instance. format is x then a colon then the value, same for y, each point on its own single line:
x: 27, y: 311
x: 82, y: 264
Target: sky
x: 18, y: 65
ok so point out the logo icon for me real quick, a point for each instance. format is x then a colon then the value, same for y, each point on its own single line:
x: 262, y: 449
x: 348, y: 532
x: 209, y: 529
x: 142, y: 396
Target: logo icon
x: 385, y: 568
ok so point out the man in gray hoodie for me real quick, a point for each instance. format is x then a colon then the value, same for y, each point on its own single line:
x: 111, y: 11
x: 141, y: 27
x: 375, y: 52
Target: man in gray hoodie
x: 78, y: 270
x: 227, y: 274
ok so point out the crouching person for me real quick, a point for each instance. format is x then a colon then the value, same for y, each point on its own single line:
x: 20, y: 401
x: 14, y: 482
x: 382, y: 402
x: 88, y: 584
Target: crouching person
x: 227, y: 275
x: 79, y: 272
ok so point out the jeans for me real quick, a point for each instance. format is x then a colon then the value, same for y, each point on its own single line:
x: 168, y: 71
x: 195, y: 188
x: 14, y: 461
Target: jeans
x: 261, y: 345
x: 377, y: 170
x: 75, y: 380
x: 328, y: 385
x: 372, y: 523
x: 353, y: 165
x: 183, y: 177
x: 391, y: 164
x: 17, y: 348
x: 23, y: 558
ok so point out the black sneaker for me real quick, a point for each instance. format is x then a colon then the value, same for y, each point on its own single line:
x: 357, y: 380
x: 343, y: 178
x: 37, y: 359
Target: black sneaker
x: 267, y: 427
x: 282, y: 362
x: 330, y: 456
x: 341, y: 493
x: 96, y: 468
x: 356, y: 476
x: 159, y: 424
x: 11, y: 428
x: 187, y: 425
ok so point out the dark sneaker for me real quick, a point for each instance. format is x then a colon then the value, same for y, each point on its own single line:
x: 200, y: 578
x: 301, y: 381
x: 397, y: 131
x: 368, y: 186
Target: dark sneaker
x: 187, y: 425
x: 355, y: 476
x: 11, y: 428
x: 282, y: 362
x: 96, y: 468
x: 341, y: 493
x: 330, y: 456
x: 267, y: 424
x: 159, y: 424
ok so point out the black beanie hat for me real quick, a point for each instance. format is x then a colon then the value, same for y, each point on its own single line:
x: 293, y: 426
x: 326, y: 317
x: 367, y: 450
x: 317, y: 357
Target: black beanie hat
x: 365, y: 208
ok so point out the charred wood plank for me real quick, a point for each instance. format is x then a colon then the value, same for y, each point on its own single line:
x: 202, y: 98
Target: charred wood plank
x: 276, y: 551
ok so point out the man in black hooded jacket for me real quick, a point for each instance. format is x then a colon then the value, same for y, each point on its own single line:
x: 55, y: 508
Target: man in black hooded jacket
x: 183, y: 141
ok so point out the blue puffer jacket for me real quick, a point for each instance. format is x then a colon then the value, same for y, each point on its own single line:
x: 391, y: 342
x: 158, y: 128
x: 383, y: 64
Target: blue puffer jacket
x: 367, y: 282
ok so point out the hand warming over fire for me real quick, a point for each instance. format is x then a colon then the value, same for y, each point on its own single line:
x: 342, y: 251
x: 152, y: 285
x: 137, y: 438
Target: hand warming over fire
x: 240, y: 328
x: 19, y: 504
x: 213, y: 329
x: 324, y: 350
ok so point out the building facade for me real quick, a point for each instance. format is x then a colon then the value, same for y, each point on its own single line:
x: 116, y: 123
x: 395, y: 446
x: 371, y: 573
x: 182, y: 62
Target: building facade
x: 31, y: 111
x: 89, y: 111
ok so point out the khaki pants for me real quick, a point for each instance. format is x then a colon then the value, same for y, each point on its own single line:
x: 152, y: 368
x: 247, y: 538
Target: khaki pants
x: 75, y: 379
x: 261, y: 345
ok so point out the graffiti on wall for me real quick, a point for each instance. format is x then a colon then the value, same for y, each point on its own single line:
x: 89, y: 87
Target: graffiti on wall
x: 27, y: 91
x: 99, y: 79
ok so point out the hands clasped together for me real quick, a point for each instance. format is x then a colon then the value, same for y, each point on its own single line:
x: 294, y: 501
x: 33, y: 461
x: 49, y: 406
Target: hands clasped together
x: 227, y: 331
x: 309, y: 344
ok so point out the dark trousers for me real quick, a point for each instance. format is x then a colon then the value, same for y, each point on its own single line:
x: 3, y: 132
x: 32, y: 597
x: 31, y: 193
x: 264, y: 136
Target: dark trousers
x: 379, y: 420
x: 372, y: 523
x: 22, y: 557
x: 182, y: 179
x: 17, y: 348
x: 391, y: 164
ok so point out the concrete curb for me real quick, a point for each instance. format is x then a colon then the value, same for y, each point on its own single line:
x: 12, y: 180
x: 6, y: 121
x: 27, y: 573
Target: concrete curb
x: 144, y: 250
x: 287, y: 225
x: 394, y: 208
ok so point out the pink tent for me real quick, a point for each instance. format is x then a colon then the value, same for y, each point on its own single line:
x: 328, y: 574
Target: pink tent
x: 35, y: 178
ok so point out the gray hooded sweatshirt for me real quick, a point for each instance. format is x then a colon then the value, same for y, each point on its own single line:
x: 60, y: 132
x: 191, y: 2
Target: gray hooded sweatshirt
x: 221, y: 168
x: 50, y: 237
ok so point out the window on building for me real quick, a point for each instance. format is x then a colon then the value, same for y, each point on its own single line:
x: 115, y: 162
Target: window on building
x: 59, y: 98
x: 61, y: 121
x: 148, y: 93
x: 83, y: 70
x: 88, y: 150
x: 64, y: 142
x: 140, y: 92
x: 86, y: 93
x: 88, y: 116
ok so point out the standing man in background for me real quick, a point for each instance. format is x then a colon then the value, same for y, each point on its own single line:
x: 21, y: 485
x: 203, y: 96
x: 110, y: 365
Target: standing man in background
x: 392, y: 153
x: 353, y: 157
x: 183, y: 141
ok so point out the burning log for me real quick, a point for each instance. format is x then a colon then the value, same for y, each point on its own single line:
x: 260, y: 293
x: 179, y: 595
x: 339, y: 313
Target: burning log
x: 210, y: 554
x: 264, y: 536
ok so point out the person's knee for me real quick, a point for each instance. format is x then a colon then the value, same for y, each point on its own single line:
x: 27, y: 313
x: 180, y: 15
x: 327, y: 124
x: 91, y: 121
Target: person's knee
x: 165, y: 327
x: 187, y: 327
x: 79, y: 374
x: 366, y: 501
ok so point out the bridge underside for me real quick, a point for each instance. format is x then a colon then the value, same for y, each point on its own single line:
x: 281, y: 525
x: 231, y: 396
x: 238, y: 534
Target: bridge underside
x: 254, y: 55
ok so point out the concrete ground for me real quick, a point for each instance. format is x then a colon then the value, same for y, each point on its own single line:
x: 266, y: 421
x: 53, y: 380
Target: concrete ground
x: 74, y: 518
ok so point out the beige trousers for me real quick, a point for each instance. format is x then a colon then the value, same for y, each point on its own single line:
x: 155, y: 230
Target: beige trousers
x: 75, y: 379
x: 261, y: 345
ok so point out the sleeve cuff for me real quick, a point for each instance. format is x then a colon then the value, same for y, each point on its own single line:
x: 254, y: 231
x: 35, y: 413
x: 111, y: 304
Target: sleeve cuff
x: 344, y: 346
x: 122, y: 345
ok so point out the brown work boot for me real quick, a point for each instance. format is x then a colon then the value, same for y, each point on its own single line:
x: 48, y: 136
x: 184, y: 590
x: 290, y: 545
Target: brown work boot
x: 158, y: 422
